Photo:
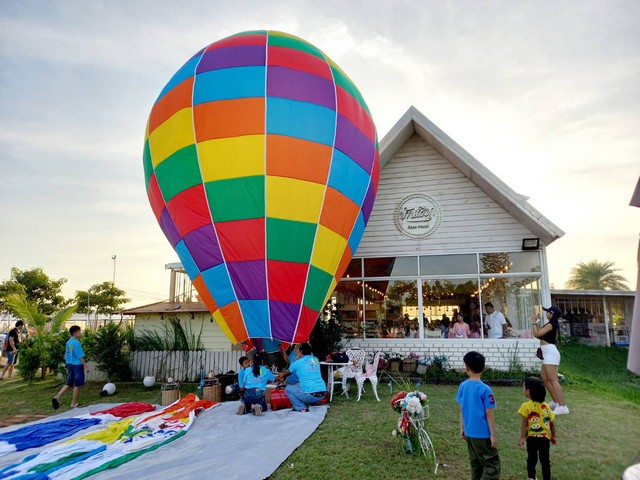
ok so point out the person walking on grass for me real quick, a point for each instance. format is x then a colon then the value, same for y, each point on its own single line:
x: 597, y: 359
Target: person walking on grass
x: 13, y: 344
x: 76, y: 368
x: 537, y: 427
x: 477, y: 423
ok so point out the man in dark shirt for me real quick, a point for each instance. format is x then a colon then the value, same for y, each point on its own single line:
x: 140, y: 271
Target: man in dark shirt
x: 15, y: 336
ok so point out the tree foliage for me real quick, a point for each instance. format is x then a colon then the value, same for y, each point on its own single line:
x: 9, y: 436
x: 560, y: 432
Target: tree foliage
x: 103, y: 298
x: 326, y: 336
x: 595, y: 275
x: 45, y: 348
x: 37, y: 288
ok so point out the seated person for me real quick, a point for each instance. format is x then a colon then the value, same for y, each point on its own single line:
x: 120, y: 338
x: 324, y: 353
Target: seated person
x: 255, y: 384
x: 311, y: 389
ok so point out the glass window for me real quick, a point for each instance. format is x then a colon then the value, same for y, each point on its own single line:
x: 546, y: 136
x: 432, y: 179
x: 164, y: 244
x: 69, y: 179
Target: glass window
x: 443, y: 300
x: 348, y: 295
x: 390, y: 267
x: 392, y: 309
x: 448, y: 264
x: 354, y: 269
x: 515, y: 262
x: 517, y: 298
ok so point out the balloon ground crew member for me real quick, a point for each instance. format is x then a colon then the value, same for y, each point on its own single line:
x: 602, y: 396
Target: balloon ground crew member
x: 311, y: 388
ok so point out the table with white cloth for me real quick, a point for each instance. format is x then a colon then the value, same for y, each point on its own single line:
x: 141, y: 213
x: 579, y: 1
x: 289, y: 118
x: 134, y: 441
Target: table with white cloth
x: 331, y: 368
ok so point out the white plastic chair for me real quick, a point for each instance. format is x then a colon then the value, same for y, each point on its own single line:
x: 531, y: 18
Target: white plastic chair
x: 371, y: 374
x: 356, y: 360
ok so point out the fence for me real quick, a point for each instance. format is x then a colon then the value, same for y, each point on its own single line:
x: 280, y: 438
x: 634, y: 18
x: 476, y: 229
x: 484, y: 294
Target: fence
x: 183, y: 366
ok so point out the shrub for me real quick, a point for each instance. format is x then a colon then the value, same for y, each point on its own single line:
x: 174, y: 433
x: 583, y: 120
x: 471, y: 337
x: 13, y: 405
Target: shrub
x: 111, y: 353
x: 29, y: 362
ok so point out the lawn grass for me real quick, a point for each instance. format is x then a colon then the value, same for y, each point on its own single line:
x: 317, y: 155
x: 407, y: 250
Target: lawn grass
x: 600, y: 369
x: 598, y: 440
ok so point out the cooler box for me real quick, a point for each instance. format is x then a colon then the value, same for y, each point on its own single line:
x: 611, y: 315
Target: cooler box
x: 279, y: 400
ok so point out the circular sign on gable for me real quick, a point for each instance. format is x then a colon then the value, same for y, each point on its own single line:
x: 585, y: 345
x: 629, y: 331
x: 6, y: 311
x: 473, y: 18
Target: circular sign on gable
x: 418, y: 216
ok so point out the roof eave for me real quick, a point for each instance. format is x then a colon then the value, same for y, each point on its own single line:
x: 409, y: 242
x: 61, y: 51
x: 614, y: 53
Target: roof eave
x: 415, y: 122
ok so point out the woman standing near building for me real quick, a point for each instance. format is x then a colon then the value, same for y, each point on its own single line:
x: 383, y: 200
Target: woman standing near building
x: 548, y: 335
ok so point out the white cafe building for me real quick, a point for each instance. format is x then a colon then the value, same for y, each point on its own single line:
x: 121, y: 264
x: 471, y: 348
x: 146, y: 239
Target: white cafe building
x: 445, y: 235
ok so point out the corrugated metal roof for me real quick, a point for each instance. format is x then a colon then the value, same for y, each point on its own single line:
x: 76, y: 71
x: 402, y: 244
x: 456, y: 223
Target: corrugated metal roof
x: 168, y: 307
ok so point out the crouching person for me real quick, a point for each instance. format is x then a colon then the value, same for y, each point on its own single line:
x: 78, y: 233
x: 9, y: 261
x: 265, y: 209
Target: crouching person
x: 255, y: 383
x: 311, y: 389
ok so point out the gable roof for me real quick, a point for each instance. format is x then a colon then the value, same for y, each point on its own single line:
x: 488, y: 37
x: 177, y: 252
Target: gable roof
x: 415, y: 122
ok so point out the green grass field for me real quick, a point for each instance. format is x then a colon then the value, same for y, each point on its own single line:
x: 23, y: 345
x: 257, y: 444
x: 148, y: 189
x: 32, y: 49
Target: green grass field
x: 598, y: 440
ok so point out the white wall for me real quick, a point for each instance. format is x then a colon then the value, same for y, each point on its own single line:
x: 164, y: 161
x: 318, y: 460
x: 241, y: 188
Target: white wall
x: 212, y: 336
x: 471, y: 221
x: 498, y: 353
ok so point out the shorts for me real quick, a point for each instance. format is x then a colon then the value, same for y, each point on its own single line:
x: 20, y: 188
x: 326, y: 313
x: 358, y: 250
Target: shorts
x: 75, y: 375
x: 550, y: 354
x: 12, y: 358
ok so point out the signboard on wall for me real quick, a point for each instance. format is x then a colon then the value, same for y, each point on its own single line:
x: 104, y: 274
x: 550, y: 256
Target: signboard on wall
x: 417, y: 216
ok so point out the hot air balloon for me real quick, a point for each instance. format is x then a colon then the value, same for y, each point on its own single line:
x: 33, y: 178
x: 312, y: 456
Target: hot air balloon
x: 261, y: 167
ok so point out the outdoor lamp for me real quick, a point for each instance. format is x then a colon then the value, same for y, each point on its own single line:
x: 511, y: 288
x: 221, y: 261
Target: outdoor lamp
x: 530, y: 243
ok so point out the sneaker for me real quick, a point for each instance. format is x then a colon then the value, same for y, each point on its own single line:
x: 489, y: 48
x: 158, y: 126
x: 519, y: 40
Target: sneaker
x: 561, y: 410
x: 257, y: 409
x: 240, y: 409
x: 553, y: 405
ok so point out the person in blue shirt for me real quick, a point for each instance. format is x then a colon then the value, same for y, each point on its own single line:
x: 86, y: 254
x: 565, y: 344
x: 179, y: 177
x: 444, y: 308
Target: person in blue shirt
x: 477, y: 424
x: 76, y: 367
x: 245, y: 365
x: 293, y: 355
x: 311, y: 389
x: 255, y: 384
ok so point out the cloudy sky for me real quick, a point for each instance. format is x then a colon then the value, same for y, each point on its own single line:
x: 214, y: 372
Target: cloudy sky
x: 545, y: 94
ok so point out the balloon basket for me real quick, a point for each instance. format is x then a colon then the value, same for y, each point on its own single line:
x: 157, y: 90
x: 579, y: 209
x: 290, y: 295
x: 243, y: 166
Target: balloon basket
x: 212, y: 393
x: 170, y: 396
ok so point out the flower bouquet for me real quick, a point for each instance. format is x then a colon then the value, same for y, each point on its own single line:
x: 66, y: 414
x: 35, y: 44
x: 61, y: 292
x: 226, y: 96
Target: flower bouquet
x: 413, y: 407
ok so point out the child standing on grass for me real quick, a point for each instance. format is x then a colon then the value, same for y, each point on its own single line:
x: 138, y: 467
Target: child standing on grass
x: 477, y: 424
x: 76, y: 367
x: 537, y: 427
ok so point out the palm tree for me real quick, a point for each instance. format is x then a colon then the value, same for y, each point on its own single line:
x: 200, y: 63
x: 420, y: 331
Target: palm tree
x: 40, y: 348
x: 595, y: 275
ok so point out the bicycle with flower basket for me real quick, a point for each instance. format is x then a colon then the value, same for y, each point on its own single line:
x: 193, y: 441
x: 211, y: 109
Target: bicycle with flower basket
x: 414, y: 410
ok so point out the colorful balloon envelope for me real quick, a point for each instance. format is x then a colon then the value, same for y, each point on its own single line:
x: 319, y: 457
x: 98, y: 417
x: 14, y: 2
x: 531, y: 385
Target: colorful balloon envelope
x: 261, y: 165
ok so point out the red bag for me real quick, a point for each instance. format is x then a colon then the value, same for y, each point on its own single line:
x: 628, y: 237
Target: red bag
x: 279, y: 400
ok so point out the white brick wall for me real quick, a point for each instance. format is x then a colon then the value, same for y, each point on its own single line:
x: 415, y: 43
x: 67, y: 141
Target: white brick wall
x: 498, y: 353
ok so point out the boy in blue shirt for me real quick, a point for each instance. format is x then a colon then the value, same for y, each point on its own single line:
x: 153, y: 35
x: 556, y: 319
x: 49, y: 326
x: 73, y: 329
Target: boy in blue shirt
x: 76, y: 366
x: 477, y: 423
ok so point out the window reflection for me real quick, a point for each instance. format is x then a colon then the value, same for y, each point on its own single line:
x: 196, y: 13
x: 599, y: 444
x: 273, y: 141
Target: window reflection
x: 517, y: 298
x: 503, y: 262
x: 390, y: 266
x: 354, y: 269
x: 448, y: 264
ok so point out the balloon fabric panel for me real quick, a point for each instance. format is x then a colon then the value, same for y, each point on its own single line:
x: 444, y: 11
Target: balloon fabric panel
x: 260, y: 162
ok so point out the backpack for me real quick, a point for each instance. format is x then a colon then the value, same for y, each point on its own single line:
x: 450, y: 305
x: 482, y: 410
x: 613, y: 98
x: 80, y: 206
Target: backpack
x: 5, y: 345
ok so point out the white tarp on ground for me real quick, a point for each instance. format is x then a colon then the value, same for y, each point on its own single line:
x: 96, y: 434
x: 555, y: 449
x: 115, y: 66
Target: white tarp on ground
x: 220, y: 444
